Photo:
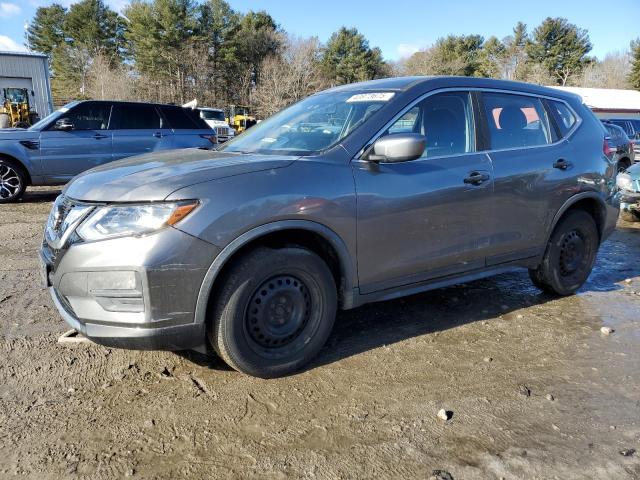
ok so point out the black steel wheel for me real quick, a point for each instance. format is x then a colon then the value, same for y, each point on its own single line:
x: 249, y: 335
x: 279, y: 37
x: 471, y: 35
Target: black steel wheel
x: 569, y: 256
x: 274, y: 311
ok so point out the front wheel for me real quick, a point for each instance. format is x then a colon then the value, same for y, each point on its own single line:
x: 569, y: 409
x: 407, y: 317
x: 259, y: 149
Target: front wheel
x: 13, y: 182
x: 570, y: 255
x: 274, y: 311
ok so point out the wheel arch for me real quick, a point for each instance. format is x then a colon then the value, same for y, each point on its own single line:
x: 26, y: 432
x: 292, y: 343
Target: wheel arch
x: 591, y: 202
x: 303, y: 233
x: 18, y: 163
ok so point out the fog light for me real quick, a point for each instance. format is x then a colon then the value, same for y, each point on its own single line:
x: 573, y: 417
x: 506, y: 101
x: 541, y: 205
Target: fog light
x: 129, y: 305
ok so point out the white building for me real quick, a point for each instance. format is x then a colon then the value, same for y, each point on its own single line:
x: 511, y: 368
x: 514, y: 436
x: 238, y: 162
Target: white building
x: 30, y: 71
x: 609, y: 102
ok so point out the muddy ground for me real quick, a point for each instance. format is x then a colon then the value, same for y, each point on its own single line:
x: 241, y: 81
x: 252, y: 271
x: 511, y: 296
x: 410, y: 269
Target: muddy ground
x: 536, y: 390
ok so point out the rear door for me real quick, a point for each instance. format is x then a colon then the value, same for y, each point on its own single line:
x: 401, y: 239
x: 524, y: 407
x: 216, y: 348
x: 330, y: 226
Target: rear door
x: 189, y: 130
x: 534, y: 172
x: 138, y: 128
x: 86, y: 145
x: 426, y: 218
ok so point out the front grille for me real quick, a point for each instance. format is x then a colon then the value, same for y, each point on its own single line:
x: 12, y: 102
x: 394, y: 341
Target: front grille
x: 222, y: 131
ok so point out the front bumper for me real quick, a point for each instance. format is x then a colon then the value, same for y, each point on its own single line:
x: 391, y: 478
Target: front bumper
x: 132, y: 292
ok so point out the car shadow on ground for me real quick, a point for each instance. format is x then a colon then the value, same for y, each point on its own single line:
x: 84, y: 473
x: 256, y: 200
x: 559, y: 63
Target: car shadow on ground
x: 40, y: 195
x: 379, y: 324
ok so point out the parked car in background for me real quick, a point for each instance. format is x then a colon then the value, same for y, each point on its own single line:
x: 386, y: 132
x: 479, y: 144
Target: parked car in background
x: 216, y: 120
x: 621, y: 149
x: 251, y: 249
x: 629, y: 184
x: 631, y: 127
x: 85, y: 134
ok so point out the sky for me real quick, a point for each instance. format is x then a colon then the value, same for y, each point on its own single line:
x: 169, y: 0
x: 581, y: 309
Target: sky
x: 402, y: 27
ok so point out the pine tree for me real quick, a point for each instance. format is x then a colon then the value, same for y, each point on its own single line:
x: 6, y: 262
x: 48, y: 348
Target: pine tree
x: 634, y: 75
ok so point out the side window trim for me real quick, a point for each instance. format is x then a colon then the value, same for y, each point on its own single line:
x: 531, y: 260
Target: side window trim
x: 472, y: 91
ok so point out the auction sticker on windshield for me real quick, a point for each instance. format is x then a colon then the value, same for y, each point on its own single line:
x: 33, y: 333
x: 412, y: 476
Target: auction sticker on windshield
x: 371, y: 97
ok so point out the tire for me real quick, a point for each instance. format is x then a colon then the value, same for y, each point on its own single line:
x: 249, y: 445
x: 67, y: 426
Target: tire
x: 569, y: 256
x: 274, y: 311
x: 13, y: 181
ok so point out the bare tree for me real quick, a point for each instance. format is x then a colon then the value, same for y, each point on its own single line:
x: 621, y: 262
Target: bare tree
x: 107, y: 82
x: 288, y: 77
x: 611, y: 72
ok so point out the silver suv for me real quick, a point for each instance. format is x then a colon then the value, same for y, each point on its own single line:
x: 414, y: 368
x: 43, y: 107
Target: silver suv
x: 358, y: 194
x: 83, y: 135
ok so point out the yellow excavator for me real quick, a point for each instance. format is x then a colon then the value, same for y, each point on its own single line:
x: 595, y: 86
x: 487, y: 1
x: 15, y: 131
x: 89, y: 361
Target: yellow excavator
x: 240, y: 118
x: 14, y: 109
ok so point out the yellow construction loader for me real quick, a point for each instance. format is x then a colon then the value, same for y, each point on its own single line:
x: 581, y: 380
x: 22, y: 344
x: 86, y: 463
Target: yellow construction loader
x: 14, y: 108
x: 240, y: 118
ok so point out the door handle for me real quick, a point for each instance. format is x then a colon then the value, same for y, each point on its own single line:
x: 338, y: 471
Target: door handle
x: 562, y: 164
x: 158, y: 135
x: 99, y: 136
x: 476, y: 178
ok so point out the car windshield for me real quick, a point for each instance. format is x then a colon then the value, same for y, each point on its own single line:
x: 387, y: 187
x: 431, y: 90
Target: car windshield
x: 212, y: 115
x: 310, y: 126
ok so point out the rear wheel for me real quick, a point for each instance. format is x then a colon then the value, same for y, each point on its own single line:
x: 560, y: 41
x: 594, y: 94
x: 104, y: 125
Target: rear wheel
x: 570, y: 255
x: 274, y: 311
x: 13, y: 181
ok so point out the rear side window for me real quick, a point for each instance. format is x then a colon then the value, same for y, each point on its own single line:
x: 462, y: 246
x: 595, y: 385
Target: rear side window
x: 183, y: 119
x: 135, y: 117
x: 516, y: 121
x: 445, y: 119
x: 563, y: 116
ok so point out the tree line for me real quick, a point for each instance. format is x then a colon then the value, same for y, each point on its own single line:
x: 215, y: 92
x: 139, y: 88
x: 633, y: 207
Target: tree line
x: 177, y: 50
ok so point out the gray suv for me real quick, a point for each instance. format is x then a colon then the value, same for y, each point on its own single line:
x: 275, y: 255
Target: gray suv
x: 83, y: 135
x: 358, y: 194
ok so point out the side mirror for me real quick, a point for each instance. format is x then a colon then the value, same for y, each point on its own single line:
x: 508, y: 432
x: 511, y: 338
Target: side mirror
x: 64, y: 124
x: 397, y: 147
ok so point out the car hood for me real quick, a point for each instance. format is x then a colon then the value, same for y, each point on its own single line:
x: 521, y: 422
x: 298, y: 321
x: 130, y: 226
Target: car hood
x: 18, y: 134
x: 155, y: 176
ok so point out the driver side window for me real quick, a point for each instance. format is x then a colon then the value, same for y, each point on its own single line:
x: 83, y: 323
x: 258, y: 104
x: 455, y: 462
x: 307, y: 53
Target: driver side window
x: 446, y: 121
x: 89, y: 116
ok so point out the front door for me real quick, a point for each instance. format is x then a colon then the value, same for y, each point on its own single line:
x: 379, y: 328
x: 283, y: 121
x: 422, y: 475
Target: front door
x: 429, y: 217
x: 87, y: 144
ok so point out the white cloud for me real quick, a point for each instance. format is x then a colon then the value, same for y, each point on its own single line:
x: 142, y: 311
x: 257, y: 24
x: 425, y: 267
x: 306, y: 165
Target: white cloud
x: 9, y: 45
x: 405, y: 50
x: 9, y: 10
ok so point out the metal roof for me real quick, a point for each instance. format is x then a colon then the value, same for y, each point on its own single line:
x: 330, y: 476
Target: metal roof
x: 23, y: 54
x: 607, y: 98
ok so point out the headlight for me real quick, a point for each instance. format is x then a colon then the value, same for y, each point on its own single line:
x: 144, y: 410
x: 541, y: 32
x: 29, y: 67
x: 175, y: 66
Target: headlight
x: 122, y: 220
x: 623, y: 181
